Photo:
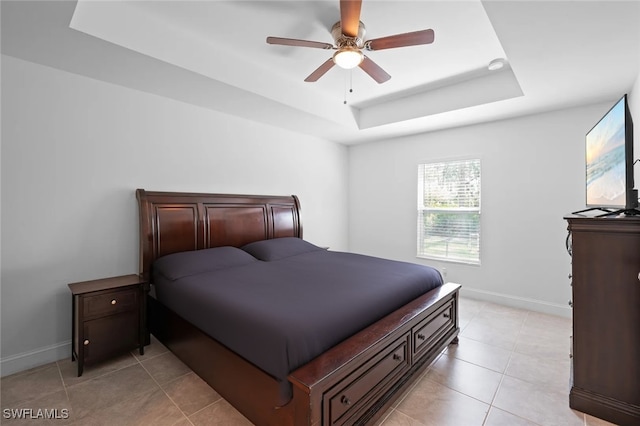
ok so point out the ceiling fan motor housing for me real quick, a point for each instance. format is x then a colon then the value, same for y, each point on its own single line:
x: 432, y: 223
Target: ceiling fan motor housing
x: 342, y: 40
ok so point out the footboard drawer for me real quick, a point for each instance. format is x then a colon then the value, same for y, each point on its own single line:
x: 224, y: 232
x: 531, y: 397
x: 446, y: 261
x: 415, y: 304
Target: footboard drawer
x: 433, y: 327
x: 345, y: 400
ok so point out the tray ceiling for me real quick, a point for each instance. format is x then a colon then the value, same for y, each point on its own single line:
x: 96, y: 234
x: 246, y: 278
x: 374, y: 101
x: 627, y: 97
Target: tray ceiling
x: 213, y: 54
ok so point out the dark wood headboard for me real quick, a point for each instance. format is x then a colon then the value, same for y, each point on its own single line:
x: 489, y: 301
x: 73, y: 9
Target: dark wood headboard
x: 172, y: 222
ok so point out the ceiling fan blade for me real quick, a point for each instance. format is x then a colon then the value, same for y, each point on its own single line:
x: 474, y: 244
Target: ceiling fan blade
x: 374, y: 70
x: 320, y: 71
x: 296, y: 42
x: 350, y: 17
x: 401, y: 40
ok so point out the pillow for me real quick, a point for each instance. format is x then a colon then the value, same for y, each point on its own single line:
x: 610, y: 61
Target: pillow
x: 279, y: 248
x: 178, y: 265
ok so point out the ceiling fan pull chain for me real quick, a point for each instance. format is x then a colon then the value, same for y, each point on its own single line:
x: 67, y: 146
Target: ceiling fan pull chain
x: 350, y: 85
x: 351, y: 81
x: 345, y: 90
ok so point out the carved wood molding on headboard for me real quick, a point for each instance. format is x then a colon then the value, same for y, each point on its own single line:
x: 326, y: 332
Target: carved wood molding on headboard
x: 172, y: 222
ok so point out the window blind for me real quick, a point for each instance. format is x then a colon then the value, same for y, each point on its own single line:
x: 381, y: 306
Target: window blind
x: 449, y: 210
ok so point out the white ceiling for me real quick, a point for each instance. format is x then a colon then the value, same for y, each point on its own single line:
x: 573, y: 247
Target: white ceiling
x: 213, y: 54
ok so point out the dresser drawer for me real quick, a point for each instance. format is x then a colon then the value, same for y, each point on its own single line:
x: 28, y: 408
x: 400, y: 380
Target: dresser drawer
x: 110, y: 303
x: 353, y: 392
x: 110, y: 335
x: 433, y: 327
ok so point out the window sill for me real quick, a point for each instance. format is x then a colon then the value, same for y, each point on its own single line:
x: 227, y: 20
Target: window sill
x: 444, y: 259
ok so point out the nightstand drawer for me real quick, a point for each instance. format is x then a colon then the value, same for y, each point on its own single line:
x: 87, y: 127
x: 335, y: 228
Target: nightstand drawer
x: 110, y: 303
x: 110, y: 335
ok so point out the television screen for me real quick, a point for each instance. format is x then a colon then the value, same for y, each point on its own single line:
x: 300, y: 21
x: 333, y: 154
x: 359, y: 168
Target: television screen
x: 608, y: 157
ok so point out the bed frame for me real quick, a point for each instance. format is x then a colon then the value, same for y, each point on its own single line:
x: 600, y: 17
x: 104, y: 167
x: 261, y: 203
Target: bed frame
x: 353, y: 383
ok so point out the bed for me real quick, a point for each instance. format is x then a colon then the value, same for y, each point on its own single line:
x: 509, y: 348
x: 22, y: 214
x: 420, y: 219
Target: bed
x: 347, y: 367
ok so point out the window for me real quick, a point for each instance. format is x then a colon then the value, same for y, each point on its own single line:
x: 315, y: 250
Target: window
x: 449, y: 211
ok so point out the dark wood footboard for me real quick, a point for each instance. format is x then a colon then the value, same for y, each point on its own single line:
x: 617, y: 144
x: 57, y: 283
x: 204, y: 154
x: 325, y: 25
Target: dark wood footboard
x: 357, y: 380
x: 353, y: 383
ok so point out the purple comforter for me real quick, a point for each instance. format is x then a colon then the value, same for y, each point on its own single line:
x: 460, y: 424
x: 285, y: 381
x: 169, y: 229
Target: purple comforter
x: 281, y: 313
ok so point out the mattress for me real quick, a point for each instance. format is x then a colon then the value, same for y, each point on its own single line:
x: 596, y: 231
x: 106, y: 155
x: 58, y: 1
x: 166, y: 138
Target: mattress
x: 279, y: 303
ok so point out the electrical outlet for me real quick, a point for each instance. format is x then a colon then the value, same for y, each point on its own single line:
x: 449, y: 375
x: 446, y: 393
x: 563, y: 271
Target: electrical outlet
x: 444, y: 272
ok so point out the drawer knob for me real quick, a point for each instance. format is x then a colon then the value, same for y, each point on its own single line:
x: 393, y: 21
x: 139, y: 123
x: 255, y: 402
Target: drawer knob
x: 396, y: 357
x: 114, y: 301
x: 446, y: 315
x: 421, y: 336
x: 344, y: 400
x: 86, y: 342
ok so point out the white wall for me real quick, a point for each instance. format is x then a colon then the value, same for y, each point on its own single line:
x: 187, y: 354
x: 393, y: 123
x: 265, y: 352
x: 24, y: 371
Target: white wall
x: 72, y: 146
x: 532, y: 175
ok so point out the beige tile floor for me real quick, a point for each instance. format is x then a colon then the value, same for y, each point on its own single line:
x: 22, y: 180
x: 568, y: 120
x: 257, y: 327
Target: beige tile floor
x: 510, y: 368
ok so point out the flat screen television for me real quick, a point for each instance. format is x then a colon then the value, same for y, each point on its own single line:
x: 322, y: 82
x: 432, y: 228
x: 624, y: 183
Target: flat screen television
x: 609, y: 162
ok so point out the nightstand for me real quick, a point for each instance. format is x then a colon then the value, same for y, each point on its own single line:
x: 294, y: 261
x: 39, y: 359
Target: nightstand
x: 108, y: 318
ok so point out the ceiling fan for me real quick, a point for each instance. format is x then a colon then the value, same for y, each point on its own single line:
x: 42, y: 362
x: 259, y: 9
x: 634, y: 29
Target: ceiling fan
x: 348, y: 35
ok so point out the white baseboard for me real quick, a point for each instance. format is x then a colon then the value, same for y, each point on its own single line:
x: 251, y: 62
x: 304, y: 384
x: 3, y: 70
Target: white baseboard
x: 35, y: 358
x: 517, y: 302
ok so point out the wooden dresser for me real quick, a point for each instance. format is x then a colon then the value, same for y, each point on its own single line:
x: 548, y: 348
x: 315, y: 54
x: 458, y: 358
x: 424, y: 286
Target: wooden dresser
x: 109, y: 317
x: 606, y: 317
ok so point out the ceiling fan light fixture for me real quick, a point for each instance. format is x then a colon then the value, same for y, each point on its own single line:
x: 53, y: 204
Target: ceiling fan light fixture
x: 348, y: 57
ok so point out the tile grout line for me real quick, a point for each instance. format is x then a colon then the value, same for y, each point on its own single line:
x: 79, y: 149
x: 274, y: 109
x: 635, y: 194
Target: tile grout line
x: 213, y: 403
x: 136, y: 360
x: 410, y: 389
x: 504, y: 372
x: 64, y: 386
x: 160, y: 386
x: 165, y: 392
x: 489, y: 405
x: 98, y: 376
x: 36, y: 371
